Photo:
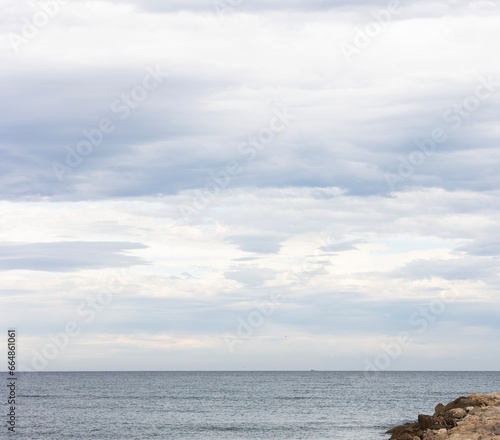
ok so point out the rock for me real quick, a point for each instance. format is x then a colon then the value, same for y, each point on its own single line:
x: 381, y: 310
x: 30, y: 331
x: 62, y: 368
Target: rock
x: 474, y: 417
x: 402, y: 432
x: 430, y: 422
x: 456, y: 413
x: 463, y: 428
x: 461, y: 402
x: 407, y: 436
x: 401, y: 428
x: 439, y: 410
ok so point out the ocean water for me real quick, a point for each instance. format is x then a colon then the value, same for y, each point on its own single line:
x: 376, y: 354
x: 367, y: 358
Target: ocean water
x: 232, y: 405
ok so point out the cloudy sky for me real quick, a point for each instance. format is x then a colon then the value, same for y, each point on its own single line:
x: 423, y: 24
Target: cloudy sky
x: 250, y: 184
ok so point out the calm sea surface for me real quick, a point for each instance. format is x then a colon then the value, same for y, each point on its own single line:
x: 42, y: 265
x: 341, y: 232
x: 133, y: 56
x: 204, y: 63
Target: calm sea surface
x: 231, y: 405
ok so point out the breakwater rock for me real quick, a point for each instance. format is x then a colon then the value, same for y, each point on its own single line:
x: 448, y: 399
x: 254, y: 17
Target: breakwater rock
x: 474, y: 417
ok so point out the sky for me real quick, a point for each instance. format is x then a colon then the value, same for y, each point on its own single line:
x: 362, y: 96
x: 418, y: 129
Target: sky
x: 250, y: 185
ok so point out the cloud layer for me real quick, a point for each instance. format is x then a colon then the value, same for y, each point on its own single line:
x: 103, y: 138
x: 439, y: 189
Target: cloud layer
x: 67, y: 256
x: 168, y: 167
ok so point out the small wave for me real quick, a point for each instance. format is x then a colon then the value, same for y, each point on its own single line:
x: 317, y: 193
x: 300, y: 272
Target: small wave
x: 223, y: 428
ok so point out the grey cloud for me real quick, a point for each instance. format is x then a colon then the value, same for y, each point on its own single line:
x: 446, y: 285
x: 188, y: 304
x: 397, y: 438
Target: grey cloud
x: 68, y: 256
x: 177, y: 137
x: 251, y: 276
x: 342, y: 247
x: 423, y: 7
x: 251, y: 6
x: 183, y: 276
x: 174, y: 141
x: 247, y: 259
x: 259, y: 244
x: 483, y: 247
x: 484, y: 269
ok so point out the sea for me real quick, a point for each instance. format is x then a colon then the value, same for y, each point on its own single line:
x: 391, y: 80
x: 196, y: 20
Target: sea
x: 231, y: 405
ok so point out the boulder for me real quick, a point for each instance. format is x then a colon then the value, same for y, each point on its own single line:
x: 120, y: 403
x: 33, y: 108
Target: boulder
x: 474, y: 417
x: 439, y: 410
x: 431, y: 422
x: 403, y: 432
x: 457, y: 413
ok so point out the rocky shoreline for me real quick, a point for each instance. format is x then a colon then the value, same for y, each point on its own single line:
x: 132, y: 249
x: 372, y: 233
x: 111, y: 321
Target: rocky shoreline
x: 475, y: 417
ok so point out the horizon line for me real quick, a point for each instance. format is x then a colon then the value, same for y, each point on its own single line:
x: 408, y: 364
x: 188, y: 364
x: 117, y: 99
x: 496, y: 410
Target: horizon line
x: 257, y: 371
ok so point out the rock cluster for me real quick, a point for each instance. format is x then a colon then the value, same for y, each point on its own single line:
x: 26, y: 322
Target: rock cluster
x: 475, y: 417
